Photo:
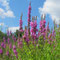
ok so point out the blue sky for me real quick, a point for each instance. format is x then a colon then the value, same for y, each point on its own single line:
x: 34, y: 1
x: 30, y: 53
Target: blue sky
x: 18, y: 6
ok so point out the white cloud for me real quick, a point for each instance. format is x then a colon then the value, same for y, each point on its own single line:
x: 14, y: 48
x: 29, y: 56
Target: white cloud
x: 52, y: 7
x: 5, y: 3
x: 13, y: 29
x: 1, y: 24
x: 6, y: 12
x: 9, y: 13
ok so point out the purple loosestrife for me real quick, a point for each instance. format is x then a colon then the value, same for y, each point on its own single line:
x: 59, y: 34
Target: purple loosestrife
x: 3, y: 45
x: 50, y: 40
x: 10, y: 45
x: 15, y: 52
x: 53, y: 37
x: 26, y: 35
x: 7, y: 53
x: 29, y: 16
x: 53, y: 33
x: 34, y: 29
x: 1, y: 51
x: 14, y: 47
x: 8, y: 40
x: 21, y: 29
x: 42, y: 28
x: 8, y: 33
x: 47, y: 30
x: 20, y: 44
x: 4, y: 39
x: 15, y: 39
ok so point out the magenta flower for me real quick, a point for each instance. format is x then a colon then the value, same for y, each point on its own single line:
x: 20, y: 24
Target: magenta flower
x: 7, y: 33
x: 21, y: 30
x: 14, y: 50
x: 15, y: 39
x: 1, y: 51
x: 34, y: 29
x: 4, y: 39
x: 53, y: 33
x: 31, y: 23
x: 10, y: 45
x: 7, y: 53
x: 10, y: 33
x: 29, y: 16
x: 42, y: 29
x: 14, y: 47
x: 2, y: 44
x: 8, y: 40
x: 24, y: 36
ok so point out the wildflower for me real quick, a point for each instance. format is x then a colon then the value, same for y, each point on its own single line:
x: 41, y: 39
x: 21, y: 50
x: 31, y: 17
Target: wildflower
x: 2, y: 44
x: 7, y: 53
x: 1, y: 51
x: 33, y: 29
x: 24, y: 36
x: 14, y: 47
x: 7, y: 33
x: 21, y: 30
x: 4, y: 39
x: 14, y: 50
x: 8, y: 40
x: 10, y: 45
x: 29, y: 16
x: 15, y: 39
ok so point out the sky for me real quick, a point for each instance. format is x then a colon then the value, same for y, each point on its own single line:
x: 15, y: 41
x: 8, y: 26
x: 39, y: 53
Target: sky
x: 10, y: 12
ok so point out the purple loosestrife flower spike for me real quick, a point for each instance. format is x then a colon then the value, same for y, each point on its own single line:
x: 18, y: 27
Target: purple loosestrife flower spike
x: 34, y: 28
x: 8, y: 40
x: 10, y: 33
x: 2, y: 44
x: 14, y: 50
x: 4, y: 39
x: 7, y: 53
x: 7, y: 32
x: 15, y: 39
x: 53, y: 33
x: 21, y: 29
x: 26, y: 35
x: 14, y: 47
x: 29, y: 16
x: 10, y: 45
x: 1, y: 51
x: 42, y: 28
